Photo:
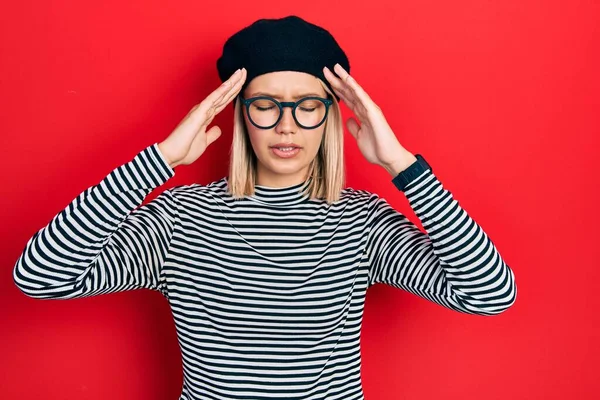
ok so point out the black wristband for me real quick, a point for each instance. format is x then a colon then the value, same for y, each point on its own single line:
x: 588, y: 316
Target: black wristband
x: 411, y: 173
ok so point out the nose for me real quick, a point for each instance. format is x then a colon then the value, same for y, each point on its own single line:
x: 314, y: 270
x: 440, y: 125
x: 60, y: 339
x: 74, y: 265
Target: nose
x: 287, y: 123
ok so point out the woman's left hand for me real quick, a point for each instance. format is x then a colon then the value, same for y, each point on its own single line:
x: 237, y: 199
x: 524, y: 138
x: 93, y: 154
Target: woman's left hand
x: 374, y: 137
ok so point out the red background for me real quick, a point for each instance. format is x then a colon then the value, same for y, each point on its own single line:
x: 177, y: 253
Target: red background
x: 500, y: 96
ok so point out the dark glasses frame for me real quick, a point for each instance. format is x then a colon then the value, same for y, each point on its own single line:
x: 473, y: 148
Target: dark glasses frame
x: 281, y: 104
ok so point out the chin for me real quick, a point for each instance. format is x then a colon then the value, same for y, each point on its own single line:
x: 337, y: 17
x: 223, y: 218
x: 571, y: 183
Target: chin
x: 279, y: 166
x: 286, y: 169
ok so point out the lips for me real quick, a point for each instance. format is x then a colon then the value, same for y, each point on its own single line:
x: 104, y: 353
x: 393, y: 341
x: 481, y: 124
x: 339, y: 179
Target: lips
x: 284, y: 152
x: 286, y: 145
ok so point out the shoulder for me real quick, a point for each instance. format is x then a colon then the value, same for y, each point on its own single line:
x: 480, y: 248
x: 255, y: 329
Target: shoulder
x: 362, y: 196
x: 199, y: 192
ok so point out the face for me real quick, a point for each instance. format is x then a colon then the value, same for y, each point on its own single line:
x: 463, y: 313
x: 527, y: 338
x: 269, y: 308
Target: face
x: 274, y: 167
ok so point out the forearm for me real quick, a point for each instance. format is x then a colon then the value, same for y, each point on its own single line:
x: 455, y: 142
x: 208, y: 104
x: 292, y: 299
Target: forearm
x: 57, y: 260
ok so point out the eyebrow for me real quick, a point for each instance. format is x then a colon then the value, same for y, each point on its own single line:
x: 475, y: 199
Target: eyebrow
x: 275, y: 96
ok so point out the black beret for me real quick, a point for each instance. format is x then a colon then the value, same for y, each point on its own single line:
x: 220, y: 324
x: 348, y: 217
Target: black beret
x: 284, y: 44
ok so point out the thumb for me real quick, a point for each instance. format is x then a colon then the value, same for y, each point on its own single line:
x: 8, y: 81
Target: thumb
x: 353, y: 127
x: 212, y: 134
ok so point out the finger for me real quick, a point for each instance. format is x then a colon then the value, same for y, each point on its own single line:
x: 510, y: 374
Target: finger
x: 350, y: 82
x: 201, y: 142
x: 210, y: 107
x: 234, y: 92
x: 223, y: 90
x: 201, y: 110
x: 349, y: 102
x: 352, y: 103
x: 356, y: 104
x: 344, y: 93
x: 340, y: 89
x: 337, y: 83
x: 212, y: 134
x: 347, y: 95
x: 353, y: 127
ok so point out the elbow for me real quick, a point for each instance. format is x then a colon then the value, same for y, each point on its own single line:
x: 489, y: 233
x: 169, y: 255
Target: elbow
x: 489, y: 303
x: 505, y: 299
x: 18, y: 278
x: 511, y: 293
x: 507, y: 303
x: 29, y: 284
x: 20, y: 281
x: 23, y: 275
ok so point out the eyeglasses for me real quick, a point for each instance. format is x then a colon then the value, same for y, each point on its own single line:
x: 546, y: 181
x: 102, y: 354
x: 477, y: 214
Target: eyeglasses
x: 265, y: 112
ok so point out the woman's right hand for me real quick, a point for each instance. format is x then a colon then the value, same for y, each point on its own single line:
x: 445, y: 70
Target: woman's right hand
x: 190, y: 139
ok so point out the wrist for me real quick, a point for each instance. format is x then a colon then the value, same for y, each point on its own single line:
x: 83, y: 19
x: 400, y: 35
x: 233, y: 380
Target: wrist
x: 171, y: 163
x: 397, y: 166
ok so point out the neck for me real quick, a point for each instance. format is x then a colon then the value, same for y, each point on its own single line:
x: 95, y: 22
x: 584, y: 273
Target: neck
x: 284, y: 196
x: 267, y: 178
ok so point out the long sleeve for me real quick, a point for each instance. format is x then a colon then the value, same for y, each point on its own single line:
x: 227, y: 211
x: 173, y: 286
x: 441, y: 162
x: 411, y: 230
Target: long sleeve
x: 454, y: 264
x: 104, y: 241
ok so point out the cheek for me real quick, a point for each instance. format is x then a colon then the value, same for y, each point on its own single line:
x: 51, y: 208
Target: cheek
x: 257, y: 141
x: 315, y: 138
x: 256, y: 136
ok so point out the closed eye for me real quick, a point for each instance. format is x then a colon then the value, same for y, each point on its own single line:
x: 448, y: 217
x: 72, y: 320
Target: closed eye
x: 264, y: 108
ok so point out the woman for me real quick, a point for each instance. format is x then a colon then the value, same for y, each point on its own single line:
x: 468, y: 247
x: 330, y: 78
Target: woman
x: 266, y: 270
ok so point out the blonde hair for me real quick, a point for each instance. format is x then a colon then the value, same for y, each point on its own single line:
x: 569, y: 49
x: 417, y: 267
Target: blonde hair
x: 327, y: 169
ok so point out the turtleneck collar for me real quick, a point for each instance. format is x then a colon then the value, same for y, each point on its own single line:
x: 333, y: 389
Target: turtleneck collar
x: 281, y: 196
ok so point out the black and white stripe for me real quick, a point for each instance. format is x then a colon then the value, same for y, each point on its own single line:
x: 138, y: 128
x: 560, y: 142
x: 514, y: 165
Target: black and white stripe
x: 267, y: 292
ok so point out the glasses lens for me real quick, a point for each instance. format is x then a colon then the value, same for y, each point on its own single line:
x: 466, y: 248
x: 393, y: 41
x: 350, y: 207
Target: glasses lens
x: 263, y: 112
x: 310, y: 112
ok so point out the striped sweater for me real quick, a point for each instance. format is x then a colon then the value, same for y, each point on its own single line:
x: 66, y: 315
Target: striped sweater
x: 267, y: 292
